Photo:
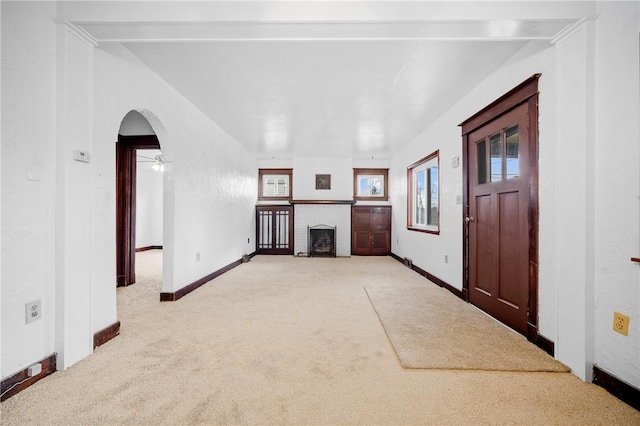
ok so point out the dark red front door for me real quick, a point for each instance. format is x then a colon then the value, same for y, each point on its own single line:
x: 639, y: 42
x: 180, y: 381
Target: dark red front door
x: 498, y: 233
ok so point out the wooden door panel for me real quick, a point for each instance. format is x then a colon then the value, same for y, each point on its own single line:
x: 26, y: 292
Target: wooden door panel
x: 498, y: 237
x: 362, y: 220
x: 380, y: 219
x: 482, y: 266
x: 380, y: 243
x: 371, y: 230
x: 362, y: 241
x: 510, y: 265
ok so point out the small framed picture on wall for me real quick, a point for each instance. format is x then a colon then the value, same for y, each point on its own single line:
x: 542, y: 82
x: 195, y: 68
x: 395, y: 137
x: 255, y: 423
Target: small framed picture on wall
x: 323, y: 181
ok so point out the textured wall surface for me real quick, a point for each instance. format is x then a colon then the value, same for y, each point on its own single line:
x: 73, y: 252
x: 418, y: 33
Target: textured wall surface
x: 28, y: 181
x: 58, y: 215
x: 617, y: 182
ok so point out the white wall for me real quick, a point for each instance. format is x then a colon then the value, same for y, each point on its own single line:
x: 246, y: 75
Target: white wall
x: 573, y: 247
x: 73, y: 197
x: 304, y: 174
x: 58, y: 215
x: 210, y: 182
x: 617, y: 188
x: 149, y: 205
x: 28, y: 182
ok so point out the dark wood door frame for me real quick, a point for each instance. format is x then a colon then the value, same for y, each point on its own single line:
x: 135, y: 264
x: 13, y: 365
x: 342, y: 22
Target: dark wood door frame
x: 525, y: 93
x: 126, y: 204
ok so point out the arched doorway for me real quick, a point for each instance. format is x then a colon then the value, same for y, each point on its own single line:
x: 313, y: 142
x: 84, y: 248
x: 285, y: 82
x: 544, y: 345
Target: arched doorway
x: 135, y: 134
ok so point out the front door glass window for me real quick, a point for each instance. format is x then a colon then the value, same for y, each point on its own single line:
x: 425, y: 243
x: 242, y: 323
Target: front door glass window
x: 503, y: 154
x: 512, y: 141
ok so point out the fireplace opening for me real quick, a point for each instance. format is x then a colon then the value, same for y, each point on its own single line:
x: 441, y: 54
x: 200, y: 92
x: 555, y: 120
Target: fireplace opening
x: 321, y: 240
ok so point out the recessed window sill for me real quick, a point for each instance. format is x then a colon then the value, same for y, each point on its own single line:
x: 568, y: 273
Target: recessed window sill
x: 322, y: 202
x: 275, y: 198
x: 362, y: 198
x: 423, y: 230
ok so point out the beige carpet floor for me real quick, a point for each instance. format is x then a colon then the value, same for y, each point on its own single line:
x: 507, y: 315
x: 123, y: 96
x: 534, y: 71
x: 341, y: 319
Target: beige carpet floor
x: 284, y: 340
x: 429, y: 329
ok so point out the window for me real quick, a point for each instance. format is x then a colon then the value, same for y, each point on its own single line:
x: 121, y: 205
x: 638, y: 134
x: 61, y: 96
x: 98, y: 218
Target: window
x: 275, y: 184
x: 504, y: 159
x: 370, y: 184
x: 423, y: 196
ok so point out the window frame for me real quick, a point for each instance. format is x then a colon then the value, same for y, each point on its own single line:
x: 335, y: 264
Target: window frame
x: 359, y: 173
x: 262, y: 173
x: 412, y: 170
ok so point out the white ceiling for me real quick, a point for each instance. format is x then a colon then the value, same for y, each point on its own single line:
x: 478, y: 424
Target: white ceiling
x: 348, y: 79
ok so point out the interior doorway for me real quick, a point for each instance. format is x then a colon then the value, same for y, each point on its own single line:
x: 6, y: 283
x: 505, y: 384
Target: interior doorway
x: 149, y: 199
x: 126, y: 193
x: 501, y: 203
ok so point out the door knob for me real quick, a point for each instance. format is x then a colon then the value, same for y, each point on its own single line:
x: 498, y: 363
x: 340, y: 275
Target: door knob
x: 470, y: 219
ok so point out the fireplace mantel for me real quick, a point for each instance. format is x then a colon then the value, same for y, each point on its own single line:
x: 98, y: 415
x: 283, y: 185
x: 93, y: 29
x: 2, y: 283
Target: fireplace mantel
x: 322, y: 201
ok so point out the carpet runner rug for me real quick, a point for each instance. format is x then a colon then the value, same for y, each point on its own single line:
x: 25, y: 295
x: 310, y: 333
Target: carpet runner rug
x: 429, y: 328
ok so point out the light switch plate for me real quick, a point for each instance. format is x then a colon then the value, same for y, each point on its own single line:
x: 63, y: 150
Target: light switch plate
x: 82, y: 156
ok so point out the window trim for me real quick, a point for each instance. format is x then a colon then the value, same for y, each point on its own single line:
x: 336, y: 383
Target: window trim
x: 410, y: 190
x: 384, y: 173
x: 266, y: 172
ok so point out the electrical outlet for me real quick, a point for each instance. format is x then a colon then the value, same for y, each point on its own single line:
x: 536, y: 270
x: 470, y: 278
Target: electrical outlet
x: 34, y: 369
x: 33, y: 311
x: 446, y: 258
x: 621, y: 323
x: 197, y: 256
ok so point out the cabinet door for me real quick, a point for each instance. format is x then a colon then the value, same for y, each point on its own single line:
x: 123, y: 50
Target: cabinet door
x: 380, y: 231
x: 371, y: 230
x: 361, y: 244
x: 274, y: 230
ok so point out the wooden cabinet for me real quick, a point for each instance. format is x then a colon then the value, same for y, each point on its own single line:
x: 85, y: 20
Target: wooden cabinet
x: 371, y: 230
x: 274, y: 229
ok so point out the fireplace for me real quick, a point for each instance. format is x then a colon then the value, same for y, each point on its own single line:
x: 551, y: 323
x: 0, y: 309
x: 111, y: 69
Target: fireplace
x: 309, y: 213
x: 321, y: 241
